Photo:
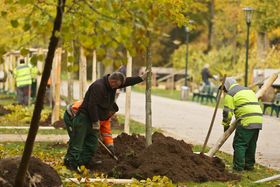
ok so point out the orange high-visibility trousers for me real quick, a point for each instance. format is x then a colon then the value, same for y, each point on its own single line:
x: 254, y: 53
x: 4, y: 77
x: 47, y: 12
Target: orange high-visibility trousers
x: 105, y: 126
x: 106, y: 132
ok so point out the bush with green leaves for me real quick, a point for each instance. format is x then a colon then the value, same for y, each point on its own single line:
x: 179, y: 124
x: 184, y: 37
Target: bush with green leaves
x: 21, y: 116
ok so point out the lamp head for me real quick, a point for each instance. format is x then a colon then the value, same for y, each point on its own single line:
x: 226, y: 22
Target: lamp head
x: 248, y: 14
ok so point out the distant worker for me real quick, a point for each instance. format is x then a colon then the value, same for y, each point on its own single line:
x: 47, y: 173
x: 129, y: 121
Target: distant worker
x: 205, y: 73
x: 243, y: 103
x: 97, y: 106
x: 22, y: 74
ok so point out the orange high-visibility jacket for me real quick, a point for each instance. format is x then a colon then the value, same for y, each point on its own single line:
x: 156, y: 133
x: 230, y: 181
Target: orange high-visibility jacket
x: 105, y: 126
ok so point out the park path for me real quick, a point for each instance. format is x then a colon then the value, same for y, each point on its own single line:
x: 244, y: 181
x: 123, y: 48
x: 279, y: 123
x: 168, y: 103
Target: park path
x: 18, y: 137
x: 190, y: 121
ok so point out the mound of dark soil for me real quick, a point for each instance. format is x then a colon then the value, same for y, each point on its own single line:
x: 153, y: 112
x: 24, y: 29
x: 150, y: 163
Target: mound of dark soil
x: 39, y: 173
x: 165, y: 157
x: 4, y: 111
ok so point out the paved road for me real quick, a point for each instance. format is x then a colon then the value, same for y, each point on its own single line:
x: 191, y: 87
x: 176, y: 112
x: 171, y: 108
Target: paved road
x: 190, y: 121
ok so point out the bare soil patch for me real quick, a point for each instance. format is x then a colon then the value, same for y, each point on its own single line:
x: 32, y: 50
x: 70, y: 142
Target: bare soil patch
x: 166, y: 157
x: 39, y: 174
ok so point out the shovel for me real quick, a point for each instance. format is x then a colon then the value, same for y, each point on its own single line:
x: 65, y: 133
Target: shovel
x: 108, y: 150
x: 213, y: 117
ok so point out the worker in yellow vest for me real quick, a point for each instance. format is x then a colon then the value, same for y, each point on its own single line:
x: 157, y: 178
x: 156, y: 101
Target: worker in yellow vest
x: 22, y: 74
x: 243, y: 104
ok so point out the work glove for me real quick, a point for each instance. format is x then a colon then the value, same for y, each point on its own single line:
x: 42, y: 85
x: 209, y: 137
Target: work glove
x: 226, y: 128
x: 95, y: 125
x: 144, y: 75
x: 112, y: 149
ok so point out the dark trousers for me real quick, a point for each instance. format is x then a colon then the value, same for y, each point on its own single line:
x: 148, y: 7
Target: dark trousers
x: 33, y: 89
x: 23, y: 93
x: 244, y: 145
x: 83, y: 140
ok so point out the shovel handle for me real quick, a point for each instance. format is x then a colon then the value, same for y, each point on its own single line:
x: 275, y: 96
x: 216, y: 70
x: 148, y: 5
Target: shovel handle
x: 108, y: 150
x: 214, y: 115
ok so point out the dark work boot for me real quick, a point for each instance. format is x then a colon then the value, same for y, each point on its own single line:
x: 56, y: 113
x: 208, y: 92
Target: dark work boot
x: 70, y: 165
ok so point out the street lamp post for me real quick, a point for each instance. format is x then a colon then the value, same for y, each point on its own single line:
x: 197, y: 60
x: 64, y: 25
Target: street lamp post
x: 248, y: 15
x: 187, y: 55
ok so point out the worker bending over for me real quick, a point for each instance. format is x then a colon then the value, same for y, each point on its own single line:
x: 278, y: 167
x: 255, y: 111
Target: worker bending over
x: 98, y: 106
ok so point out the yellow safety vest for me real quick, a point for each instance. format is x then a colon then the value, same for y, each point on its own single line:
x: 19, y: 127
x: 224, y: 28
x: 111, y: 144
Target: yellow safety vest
x: 243, y: 103
x: 22, y: 75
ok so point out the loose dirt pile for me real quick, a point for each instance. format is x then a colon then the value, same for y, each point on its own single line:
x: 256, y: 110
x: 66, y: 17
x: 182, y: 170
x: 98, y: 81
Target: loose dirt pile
x: 165, y: 157
x: 39, y: 174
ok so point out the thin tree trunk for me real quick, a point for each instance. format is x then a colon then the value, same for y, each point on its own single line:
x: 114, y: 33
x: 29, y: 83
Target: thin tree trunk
x: 70, y: 80
x: 234, y: 46
x: 1, y: 83
x: 261, y: 47
x: 12, y: 81
x: 211, y: 25
x: 19, y: 180
x: 40, y: 68
x: 148, y: 93
x: 83, y: 73
x: 57, y: 85
x: 94, y: 72
x: 128, y: 94
x: 6, y: 84
x: 7, y: 61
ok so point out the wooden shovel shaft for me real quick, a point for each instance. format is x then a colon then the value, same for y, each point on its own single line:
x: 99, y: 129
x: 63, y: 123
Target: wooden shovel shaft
x: 214, y: 115
x: 108, y: 150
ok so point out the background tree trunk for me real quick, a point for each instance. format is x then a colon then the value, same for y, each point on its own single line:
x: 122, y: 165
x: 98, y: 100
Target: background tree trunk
x: 148, y: 93
x: 94, y: 70
x: 211, y: 6
x: 261, y: 47
x: 128, y: 94
x: 57, y: 85
x: 11, y: 67
x: 82, y: 73
x: 70, y: 80
x: 19, y: 180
